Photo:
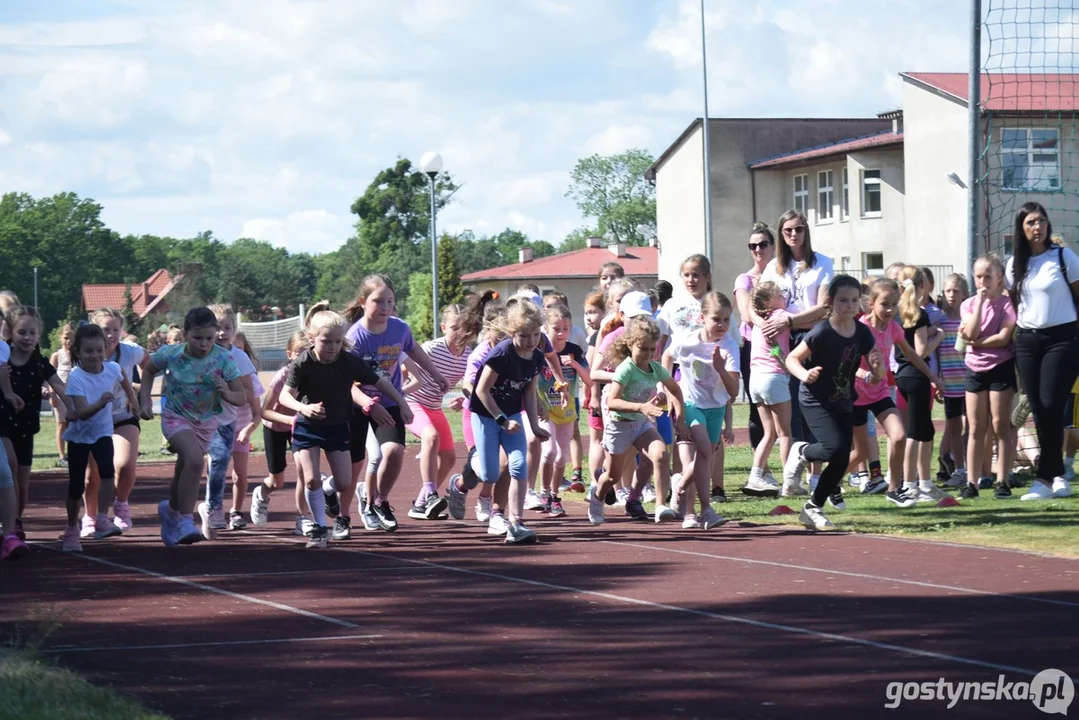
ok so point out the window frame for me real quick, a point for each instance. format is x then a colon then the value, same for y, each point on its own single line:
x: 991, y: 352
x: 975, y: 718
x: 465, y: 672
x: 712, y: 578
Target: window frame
x: 873, y: 272
x: 825, y: 198
x: 844, y: 207
x: 1029, y: 152
x: 866, y: 182
x: 803, y: 193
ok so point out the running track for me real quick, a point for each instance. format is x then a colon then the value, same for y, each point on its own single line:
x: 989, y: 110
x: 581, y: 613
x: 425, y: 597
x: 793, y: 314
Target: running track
x: 626, y: 620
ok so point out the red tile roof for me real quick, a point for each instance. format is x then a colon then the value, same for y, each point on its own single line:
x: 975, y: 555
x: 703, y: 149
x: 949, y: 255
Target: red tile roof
x: 840, y: 147
x: 158, y: 285
x: 1009, y: 92
x: 638, y: 262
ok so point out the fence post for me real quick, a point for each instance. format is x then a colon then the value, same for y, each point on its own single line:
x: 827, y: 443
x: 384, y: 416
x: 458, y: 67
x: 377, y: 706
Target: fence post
x: 974, y: 117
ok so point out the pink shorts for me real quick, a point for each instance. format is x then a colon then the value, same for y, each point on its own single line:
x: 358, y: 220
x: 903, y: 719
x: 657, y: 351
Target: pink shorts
x: 466, y: 427
x: 173, y: 425
x: 423, y: 418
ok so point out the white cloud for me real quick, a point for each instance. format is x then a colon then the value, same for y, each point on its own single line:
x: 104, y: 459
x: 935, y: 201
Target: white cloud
x: 4, y: 137
x: 617, y: 138
x: 313, y: 231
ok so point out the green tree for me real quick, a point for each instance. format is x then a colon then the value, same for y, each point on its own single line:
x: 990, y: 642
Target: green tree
x: 577, y: 239
x: 612, y: 189
x: 419, y: 316
x: 449, y: 279
x: 256, y: 276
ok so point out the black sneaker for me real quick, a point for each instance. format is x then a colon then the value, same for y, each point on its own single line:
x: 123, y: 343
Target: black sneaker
x: 970, y: 491
x: 718, y: 496
x: 1001, y: 491
x: 468, y: 475
x: 342, y: 527
x: 899, y: 498
x: 370, y: 518
x: 333, y: 504
x: 836, y: 498
x: 386, y: 520
x: 1016, y: 481
x: 986, y: 483
x: 636, y: 510
x: 236, y: 521
x: 434, y: 507
x: 318, y: 537
x: 612, y: 497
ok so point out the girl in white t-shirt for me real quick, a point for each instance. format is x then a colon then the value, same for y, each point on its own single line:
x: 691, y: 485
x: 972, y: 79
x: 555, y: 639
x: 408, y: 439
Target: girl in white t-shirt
x: 92, y: 387
x: 769, y: 388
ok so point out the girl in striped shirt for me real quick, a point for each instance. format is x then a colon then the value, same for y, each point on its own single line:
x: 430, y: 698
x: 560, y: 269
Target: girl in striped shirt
x: 449, y: 354
x: 953, y: 370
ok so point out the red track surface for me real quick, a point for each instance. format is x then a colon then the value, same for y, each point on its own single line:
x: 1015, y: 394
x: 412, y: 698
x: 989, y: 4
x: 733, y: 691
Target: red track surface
x: 625, y: 620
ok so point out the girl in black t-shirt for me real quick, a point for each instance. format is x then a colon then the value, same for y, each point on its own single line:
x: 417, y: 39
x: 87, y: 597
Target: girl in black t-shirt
x: 834, y: 348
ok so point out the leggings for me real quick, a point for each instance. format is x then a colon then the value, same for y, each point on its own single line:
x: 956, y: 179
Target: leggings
x: 557, y: 448
x: 756, y: 429
x: 490, y: 438
x: 1046, y: 359
x: 832, y: 446
x: 918, y: 417
x: 78, y: 457
x: 220, y: 452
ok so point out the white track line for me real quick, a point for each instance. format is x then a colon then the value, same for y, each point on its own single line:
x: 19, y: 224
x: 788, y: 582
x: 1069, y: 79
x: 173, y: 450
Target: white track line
x: 218, y: 591
x: 843, y: 573
x: 181, y: 646
x: 971, y: 547
x: 697, y: 613
x: 270, y: 573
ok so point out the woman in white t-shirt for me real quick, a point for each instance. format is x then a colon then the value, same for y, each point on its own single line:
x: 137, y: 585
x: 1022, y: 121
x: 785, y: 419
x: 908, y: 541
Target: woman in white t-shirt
x: 803, y: 276
x: 1044, y: 282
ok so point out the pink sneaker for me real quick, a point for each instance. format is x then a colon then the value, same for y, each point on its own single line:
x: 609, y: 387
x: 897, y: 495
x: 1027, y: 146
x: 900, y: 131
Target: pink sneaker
x: 122, y: 515
x: 88, y: 527
x: 13, y: 548
x: 70, y: 540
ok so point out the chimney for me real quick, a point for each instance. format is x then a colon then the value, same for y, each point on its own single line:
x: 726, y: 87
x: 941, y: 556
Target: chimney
x: 595, y: 242
x: 524, y: 255
x: 653, y: 242
x: 619, y: 249
x: 145, y: 293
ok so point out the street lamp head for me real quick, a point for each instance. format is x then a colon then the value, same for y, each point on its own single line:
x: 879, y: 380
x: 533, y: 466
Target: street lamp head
x: 954, y: 179
x: 431, y: 163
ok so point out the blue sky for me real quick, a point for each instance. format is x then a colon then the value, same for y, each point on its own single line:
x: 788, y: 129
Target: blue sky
x: 267, y: 119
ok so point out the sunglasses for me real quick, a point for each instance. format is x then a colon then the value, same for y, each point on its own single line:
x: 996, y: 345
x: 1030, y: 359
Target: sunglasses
x: 796, y: 230
x: 754, y: 247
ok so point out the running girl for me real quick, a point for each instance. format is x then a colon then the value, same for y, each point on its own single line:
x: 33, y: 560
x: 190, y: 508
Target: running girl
x: 506, y: 386
x: 277, y: 440
x: 318, y: 390
x: 202, y: 374
x: 61, y: 360
x: 710, y: 365
x: 92, y: 386
x: 561, y: 420
x: 988, y: 325
x: 632, y: 404
x: 769, y: 389
x: 953, y: 371
x: 835, y: 347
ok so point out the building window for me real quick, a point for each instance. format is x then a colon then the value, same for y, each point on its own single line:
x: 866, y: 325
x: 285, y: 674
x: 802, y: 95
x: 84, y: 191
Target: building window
x: 870, y: 193
x: 825, y: 196
x: 844, y: 263
x: 801, y: 193
x: 873, y: 263
x: 1007, y: 247
x: 845, y: 208
x: 1030, y: 159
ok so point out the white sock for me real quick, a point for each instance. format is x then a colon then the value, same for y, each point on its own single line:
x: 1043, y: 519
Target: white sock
x: 316, y: 500
x: 908, y: 484
x: 925, y: 484
x: 813, y: 480
x: 329, y: 484
x: 756, y: 472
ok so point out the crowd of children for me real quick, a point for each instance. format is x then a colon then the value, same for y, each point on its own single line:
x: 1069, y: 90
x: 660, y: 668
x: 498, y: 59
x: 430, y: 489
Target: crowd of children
x: 828, y: 359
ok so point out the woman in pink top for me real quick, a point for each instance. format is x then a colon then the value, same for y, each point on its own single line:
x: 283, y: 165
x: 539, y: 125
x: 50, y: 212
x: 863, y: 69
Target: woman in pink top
x: 769, y: 388
x: 762, y: 248
x: 987, y: 326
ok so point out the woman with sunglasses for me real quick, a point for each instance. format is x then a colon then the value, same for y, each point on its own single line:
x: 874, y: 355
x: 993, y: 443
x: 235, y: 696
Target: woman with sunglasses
x: 803, y: 275
x: 1044, y: 282
x: 762, y: 244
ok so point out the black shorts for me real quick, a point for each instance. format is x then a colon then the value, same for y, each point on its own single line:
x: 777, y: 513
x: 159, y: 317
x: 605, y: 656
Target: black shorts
x: 860, y: 413
x: 133, y: 421
x: 24, y: 449
x: 309, y: 436
x: 276, y: 444
x: 954, y: 407
x: 999, y: 379
x: 360, y: 423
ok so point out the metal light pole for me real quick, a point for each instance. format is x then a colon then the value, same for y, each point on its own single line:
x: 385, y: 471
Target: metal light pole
x: 707, y: 157
x: 431, y: 163
x: 974, y: 96
x: 35, y: 288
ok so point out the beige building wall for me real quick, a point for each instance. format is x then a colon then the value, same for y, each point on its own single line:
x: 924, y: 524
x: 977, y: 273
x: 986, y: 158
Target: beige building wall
x: 935, y: 145
x: 680, y: 206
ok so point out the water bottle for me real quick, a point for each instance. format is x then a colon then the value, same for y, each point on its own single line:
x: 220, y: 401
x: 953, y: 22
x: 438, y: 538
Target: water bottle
x: 960, y: 344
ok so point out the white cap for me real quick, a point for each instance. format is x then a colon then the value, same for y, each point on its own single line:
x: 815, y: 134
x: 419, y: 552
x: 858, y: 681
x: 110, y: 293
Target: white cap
x: 529, y: 295
x: 635, y: 303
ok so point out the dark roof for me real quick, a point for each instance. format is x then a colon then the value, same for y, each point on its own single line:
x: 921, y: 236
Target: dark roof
x: 841, y: 147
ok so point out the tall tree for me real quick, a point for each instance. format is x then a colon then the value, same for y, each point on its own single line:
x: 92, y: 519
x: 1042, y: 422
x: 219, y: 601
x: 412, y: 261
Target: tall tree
x: 449, y: 279
x: 612, y: 189
x: 420, y: 316
x: 577, y: 239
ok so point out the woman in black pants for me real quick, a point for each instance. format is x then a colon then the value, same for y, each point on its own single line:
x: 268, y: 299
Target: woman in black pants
x: 1044, y: 283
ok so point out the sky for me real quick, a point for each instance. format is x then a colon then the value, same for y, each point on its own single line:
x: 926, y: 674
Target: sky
x: 267, y: 119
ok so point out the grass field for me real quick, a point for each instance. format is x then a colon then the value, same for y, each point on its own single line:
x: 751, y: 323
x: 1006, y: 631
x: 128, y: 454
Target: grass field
x: 1050, y: 527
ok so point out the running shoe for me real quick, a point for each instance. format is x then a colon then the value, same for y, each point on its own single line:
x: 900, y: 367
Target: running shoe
x: 636, y: 510
x: 931, y: 494
x: 69, y: 541
x: 813, y: 518
x: 836, y: 499
x: 665, y: 514
x: 121, y: 512
x: 303, y: 525
x: 576, y: 482
x: 533, y: 501
x: 19, y: 532
x: 874, y: 485
x: 718, y: 495
x: 985, y: 483
x: 710, y: 519
x: 169, y: 525
x: 483, y: 509
x: 621, y: 496
x: 518, y: 534
x: 1039, y: 490
x: 89, y: 527
x: 1061, y: 488
x: 595, y: 507
x: 13, y: 548
x: 957, y: 480
x: 417, y: 511
x: 468, y: 475
x: 236, y: 520
x: 556, y: 508
x: 545, y: 498
x: 208, y: 530
x: 333, y: 502
x: 260, y: 506
x: 186, y: 532
x: 370, y: 518
x: 969, y: 491
x: 342, y: 527
x: 434, y: 507
x: 648, y: 495
x: 318, y: 537
x: 497, y: 525
x: 104, y: 529
x: 691, y: 522
x: 900, y: 498
x: 788, y: 491
x: 1001, y: 491
x: 857, y: 480
x: 455, y: 499
x: 757, y: 486
x: 386, y: 519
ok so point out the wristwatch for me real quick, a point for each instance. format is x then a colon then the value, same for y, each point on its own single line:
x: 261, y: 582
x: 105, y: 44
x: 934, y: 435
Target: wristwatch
x: 501, y: 420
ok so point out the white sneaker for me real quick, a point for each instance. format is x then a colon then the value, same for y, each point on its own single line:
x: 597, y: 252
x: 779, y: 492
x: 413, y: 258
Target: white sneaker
x: 518, y: 534
x: 1038, y: 491
x: 757, y: 486
x: 621, y: 496
x: 1062, y: 488
x: 771, y: 480
x: 813, y: 518
x: 711, y: 519
x: 88, y: 527
x: 217, y: 518
x: 691, y: 521
x: 932, y: 494
x: 208, y: 530
x: 595, y: 506
x: 649, y: 493
x: 795, y: 466
x: 497, y: 525
x: 665, y: 514
x: 793, y: 491
x: 260, y: 507
x: 533, y: 501
x: 483, y: 509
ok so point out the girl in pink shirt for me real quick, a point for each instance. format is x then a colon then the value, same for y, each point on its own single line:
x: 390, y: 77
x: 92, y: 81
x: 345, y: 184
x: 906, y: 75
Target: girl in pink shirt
x: 769, y: 389
x: 987, y: 327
